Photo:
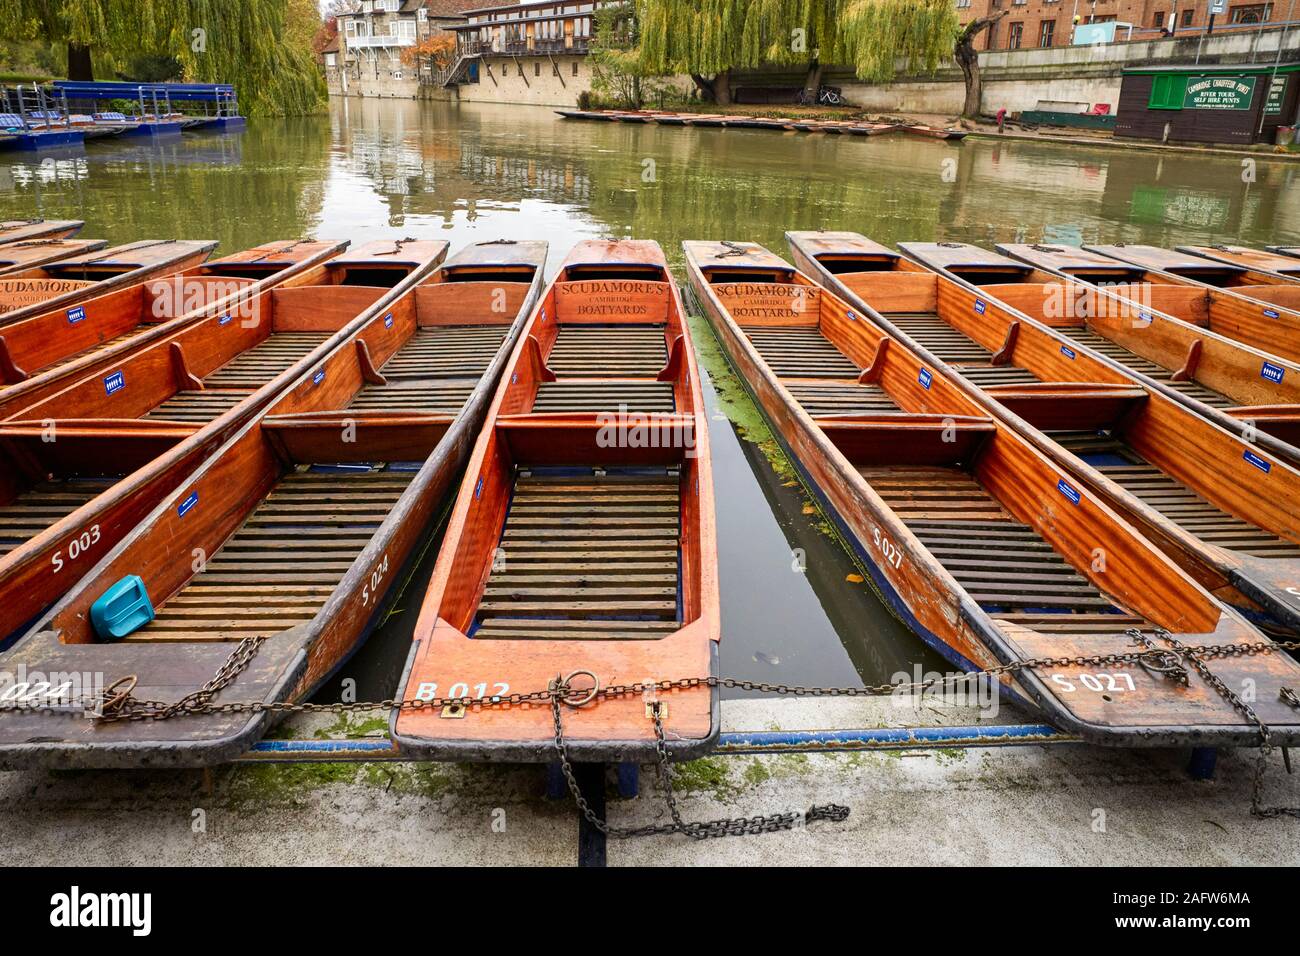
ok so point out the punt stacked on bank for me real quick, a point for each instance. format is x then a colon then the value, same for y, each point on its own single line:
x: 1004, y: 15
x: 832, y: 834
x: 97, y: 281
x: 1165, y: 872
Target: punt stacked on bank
x: 304, y: 521
x: 45, y: 352
x: 582, y: 543
x: 17, y: 230
x: 67, y: 283
x: 16, y: 258
x: 79, y: 470
x: 1214, y: 502
x: 981, y: 543
x: 1173, y: 335
x: 1253, y: 307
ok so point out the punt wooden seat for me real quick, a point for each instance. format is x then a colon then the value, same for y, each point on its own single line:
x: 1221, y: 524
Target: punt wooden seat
x: 200, y: 406
x: 434, y: 395
x: 1122, y: 464
x: 278, y: 569
x: 590, y: 557
x: 604, y: 395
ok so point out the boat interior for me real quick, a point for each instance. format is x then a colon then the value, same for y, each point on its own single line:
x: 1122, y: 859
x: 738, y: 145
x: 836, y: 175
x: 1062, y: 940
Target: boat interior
x: 1208, y: 268
x: 17, y: 257
x: 293, y: 502
x: 1197, y: 476
x: 984, y: 504
x: 1166, y: 333
x: 61, y: 336
x: 175, y: 387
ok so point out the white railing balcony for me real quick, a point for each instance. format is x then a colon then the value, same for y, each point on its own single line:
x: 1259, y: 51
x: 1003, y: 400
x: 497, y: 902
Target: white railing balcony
x: 379, y: 41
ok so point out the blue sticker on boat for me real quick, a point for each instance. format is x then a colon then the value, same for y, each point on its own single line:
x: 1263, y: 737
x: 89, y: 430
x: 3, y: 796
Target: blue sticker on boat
x: 925, y: 378
x: 1273, y: 373
x: 1067, y: 352
x: 514, y: 378
x: 852, y: 316
x: 76, y: 315
x: 1064, y: 488
x: 388, y: 321
x: 114, y: 382
x: 1144, y: 317
x: 225, y: 319
x: 1260, y: 463
x: 1271, y: 313
x: 184, y: 507
x: 478, y: 489
x: 318, y: 377
x: 980, y: 306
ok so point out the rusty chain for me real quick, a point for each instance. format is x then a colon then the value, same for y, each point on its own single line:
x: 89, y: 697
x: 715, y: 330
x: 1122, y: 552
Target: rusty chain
x: 117, y: 704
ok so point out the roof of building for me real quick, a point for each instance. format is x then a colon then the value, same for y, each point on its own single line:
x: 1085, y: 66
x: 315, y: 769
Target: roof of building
x: 449, y: 8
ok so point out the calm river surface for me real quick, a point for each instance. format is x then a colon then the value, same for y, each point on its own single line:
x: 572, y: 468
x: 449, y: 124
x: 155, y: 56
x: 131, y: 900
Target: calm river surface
x: 794, y: 607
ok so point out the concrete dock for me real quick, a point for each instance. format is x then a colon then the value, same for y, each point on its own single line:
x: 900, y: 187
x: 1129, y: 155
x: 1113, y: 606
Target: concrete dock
x: 1037, y: 804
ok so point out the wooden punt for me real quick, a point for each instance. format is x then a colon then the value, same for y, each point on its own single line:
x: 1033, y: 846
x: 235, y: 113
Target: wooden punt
x: 1177, y: 336
x: 583, y: 536
x: 1255, y: 307
x: 1292, y: 251
x: 69, y: 283
x: 124, y: 437
x: 1215, y: 503
x: 20, y: 230
x: 976, y: 539
x: 19, y: 256
x: 1258, y: 260
x: 306, y: 518
x: 47, y: 351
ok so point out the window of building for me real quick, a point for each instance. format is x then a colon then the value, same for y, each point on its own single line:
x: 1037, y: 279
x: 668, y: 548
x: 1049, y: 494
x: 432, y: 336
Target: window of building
x: 1046, y: 32
x: 993, y: 36
x: 1187, y: 17
x: 1014, y: 36
x: 575, y: 67
x: 537, y: 68
x: 1254, y: 13
x: 1160, y: 19
x: 963, y: 4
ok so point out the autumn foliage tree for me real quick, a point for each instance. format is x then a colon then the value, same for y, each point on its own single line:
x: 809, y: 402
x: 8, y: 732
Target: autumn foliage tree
x: 438, y: 49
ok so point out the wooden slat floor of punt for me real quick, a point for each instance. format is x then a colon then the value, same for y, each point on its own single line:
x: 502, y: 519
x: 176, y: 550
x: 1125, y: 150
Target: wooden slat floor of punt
x: 973, y: 360
x: 451, y: 351
x: 252, y: 369
x: 840, y: 398
x: 608, y: 351
x: 586, y: 558
x: 602, y: 395
x: 1177, y: 502
x: 436, y: 396
x: 39, y: 507
x: 801, y: 353
x: 279, y: 568
x: 1004, y: 564
x: 201, y: 406
x: 101, y: 347
x: 1117, y: 353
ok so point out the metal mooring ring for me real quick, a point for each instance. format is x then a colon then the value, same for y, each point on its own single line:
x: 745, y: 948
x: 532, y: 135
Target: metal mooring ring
x: 115, y: 698
x: 578, y: 698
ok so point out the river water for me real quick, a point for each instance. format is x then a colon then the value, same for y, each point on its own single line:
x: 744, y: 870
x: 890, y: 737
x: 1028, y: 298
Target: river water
x: 795, y: 608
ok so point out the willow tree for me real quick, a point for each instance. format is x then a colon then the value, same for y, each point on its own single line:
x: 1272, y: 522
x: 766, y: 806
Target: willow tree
x: 709, y: 38
x: 258, y: 45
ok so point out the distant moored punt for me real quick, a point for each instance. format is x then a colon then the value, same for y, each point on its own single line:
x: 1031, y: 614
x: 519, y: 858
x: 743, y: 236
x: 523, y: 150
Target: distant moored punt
x: 16, y: 230
x: 69, y: 282
x: 582, y: 541
x: 1257, y: 260
x: 981, y: 543
x: 1215, y: 503
x: 17, y: 257
x: 307, y: 516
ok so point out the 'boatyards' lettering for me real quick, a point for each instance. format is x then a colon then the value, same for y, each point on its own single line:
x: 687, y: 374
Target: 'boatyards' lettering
x: 612, y: 298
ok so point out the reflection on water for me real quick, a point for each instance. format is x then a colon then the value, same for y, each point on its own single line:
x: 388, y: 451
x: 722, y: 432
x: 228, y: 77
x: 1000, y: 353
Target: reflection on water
x: 385, y: 169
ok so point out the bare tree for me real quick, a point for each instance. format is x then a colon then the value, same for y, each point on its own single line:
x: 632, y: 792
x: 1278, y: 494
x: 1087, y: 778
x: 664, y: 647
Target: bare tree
x: 968, y: 59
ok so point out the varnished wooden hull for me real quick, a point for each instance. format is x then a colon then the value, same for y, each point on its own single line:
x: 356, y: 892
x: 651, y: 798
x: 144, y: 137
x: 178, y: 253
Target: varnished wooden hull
x: 19, y: 256
x: 272, y: 522
x: 1188, y: 484
x: 19, y: 230
x: 871, y: 466
x: 571, y: 551
x: 82, y: 468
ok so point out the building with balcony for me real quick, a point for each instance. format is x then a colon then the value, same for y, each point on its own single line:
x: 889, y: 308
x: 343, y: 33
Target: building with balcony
x: 1028, y: 24
x: 365, y: 59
